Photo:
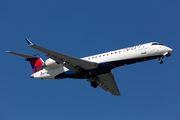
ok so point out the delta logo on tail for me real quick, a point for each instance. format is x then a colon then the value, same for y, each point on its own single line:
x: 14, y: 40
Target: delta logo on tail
x: 36, y: 63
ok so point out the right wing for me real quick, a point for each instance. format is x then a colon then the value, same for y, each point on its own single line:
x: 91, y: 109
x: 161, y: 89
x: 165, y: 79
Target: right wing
x: 107, y: 82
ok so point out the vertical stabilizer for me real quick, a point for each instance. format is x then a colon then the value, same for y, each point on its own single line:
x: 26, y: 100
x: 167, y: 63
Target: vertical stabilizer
x: 36, y: 63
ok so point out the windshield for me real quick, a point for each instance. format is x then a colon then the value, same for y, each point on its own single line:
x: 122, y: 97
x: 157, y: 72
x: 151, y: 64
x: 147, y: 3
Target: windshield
x: 157, y: 44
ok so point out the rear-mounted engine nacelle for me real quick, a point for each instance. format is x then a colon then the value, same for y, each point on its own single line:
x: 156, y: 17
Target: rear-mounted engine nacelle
x: 50, y: 64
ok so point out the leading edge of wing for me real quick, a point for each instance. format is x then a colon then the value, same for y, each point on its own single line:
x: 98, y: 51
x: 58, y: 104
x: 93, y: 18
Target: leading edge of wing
x: 62, y: 57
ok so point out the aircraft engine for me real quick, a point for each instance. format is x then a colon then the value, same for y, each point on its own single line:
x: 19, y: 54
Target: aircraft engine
x: 50, y: 64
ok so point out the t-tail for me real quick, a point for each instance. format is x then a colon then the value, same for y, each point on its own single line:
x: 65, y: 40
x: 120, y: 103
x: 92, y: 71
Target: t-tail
x: 35, y: 61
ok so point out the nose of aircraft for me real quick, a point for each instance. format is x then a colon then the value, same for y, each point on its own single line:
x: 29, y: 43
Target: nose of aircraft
x: 170, y: 50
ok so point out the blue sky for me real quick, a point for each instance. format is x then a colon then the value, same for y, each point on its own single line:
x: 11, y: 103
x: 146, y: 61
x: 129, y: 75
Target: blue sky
x: 82, y: 28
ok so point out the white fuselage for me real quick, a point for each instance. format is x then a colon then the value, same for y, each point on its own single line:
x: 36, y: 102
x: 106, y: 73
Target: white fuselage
x: 138, y: 53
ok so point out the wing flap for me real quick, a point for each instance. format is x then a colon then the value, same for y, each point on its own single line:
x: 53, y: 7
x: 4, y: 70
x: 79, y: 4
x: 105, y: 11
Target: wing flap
x: 107, y: 82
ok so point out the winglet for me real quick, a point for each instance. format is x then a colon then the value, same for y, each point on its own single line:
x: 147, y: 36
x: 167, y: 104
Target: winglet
x: 29, y: 42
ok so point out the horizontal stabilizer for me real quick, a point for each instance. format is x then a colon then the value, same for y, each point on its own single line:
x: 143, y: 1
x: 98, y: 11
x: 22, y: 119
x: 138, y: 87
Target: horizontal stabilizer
x: 22, y: 55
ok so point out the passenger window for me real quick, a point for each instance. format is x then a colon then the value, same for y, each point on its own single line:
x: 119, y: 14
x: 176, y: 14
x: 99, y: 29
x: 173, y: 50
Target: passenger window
x: 100, y: 56
x: 96, y: 57
x: 115, y: 52
x: 92, y: 57
x: 111, y: 53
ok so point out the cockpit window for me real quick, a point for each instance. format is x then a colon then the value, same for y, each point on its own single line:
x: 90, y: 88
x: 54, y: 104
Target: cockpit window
x: 156, y: 44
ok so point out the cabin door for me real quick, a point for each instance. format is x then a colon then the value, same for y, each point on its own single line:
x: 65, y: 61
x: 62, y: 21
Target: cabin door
x: 143, y: 51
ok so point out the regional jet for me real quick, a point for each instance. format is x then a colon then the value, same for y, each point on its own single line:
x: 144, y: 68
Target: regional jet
x: 96, y: 68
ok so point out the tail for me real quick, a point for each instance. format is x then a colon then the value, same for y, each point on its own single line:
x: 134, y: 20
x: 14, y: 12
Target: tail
x: 35, y: 61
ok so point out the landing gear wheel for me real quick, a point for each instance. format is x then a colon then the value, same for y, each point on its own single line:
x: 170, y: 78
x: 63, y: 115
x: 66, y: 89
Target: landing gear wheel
x: 94, y: 84
x: 161, y: 62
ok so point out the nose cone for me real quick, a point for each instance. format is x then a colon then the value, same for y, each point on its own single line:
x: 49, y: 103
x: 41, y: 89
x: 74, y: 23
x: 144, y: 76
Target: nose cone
x: 170, y: 50
x: 32, y: 76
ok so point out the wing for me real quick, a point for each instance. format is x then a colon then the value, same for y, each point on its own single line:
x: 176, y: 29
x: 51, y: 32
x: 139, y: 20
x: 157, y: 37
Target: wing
x: 72, y: 63
x: 107, y: 82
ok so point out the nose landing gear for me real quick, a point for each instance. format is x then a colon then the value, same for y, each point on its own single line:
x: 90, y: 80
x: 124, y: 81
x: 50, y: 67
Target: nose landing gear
x: 160, y: 60
x: 167, y: 54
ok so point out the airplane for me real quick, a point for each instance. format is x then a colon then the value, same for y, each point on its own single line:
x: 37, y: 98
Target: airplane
x: 96, y: 68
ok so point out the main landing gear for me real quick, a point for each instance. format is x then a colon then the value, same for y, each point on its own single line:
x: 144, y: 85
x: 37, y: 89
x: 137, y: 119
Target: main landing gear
x: 94, y: 84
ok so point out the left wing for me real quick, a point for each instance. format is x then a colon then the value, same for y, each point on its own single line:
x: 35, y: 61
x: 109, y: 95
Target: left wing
x: 72, y: 63
x: 107, y: 82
